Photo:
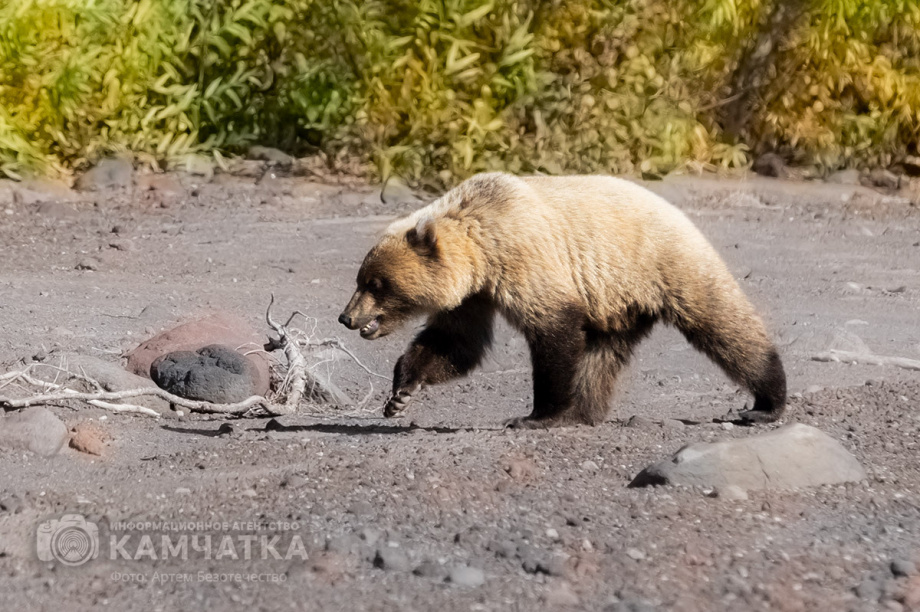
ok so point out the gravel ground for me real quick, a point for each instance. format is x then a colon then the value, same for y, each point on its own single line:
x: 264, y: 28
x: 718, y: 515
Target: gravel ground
x: 443, y: 509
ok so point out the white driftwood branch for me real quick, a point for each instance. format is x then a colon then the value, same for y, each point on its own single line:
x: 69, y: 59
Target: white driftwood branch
x: 299, y: 381
x: 867, y: 359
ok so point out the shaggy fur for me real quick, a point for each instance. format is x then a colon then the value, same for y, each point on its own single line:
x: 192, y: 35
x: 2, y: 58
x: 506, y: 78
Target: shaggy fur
x: 583, y: 266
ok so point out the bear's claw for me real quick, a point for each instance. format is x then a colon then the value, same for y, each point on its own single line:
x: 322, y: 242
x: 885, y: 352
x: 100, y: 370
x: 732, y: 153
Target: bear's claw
x: 525, y: 423
x: 398, y: 402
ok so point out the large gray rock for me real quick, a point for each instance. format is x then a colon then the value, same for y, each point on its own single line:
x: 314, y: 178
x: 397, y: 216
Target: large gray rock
x: 214, y: 373
x: 790, y: 457
x: 35, y: 429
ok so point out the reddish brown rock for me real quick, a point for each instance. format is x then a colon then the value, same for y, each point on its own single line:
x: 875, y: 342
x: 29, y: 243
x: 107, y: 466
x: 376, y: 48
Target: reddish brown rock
x: 88, y: 438
x: 219, y: 328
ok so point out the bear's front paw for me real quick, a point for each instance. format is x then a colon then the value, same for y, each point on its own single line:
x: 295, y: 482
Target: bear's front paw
x: 525, y: 423
x: 398, y: 402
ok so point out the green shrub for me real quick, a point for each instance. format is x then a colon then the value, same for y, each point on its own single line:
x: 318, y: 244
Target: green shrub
x: 436, y: 90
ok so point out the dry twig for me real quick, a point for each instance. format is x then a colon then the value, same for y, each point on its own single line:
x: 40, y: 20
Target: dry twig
x: 299, y: 381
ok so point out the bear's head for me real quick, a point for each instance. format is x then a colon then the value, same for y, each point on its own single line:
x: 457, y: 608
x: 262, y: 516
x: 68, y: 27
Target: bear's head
x: 408, y: 273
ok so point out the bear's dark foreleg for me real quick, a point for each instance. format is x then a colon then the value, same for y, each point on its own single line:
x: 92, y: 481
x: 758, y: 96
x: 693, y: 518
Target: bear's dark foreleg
x: 575, y: 368
x: 557, y: 349
x: 452, y: 344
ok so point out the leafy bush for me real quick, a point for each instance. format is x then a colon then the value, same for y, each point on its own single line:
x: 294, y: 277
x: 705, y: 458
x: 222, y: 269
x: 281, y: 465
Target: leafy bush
x: 435, y: 90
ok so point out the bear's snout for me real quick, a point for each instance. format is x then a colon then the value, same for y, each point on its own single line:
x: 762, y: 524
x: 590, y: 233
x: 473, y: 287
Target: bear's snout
x: 347, y: 321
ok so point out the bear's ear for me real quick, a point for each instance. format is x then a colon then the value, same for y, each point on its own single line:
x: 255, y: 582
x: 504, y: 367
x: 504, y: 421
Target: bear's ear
x: 424, y: 235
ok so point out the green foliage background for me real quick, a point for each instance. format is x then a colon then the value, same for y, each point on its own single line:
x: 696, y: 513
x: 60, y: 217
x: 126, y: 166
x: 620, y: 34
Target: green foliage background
x: 436, y: 90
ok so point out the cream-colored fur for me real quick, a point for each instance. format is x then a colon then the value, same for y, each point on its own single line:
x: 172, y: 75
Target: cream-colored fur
x: 583, y: 263
x: 599, y: 241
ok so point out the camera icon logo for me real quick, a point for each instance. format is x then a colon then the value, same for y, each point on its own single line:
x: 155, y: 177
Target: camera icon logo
x: 71, y: 540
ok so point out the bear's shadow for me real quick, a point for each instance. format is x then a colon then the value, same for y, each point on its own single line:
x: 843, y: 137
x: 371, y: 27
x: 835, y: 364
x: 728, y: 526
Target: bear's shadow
x: 352, y: 429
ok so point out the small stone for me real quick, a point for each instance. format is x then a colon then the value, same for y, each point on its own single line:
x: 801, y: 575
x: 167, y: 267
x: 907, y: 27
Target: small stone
x: 430, y: 569
x: 903, y: 567
x: 640, y: 422
x: 35, y: 429
x: 370, y: 536
x: 635, y: 554
x: 590, y: 465
x: 521, y: 468
x: 270, y: 155
x: 391, y: 559
x: 107, y: 174
x: 770, y: 164
x: 88, y: 438
x: 466, y: 576
x: 910, y: 595
x: 183, y: 491
x: 88, y: 263
x: 556, y: 566
x: 344, y: 544
x: 165, y: 185
x: 395, y: 191
x: 362, y: 508
x: 887, y: 179
x: 552, y: 534
x: 869, y: 589
x: 532, y: 560
x: 198, y: 165
x: 560, y: 594
x: 844, y: 177
x: 11, y: 503
x: 630, y: 605
x: 727, y: 426
x: 121, y: 245
x: 505, y: 549
x: 249, y: 168
x: 292, y: 481
x: 249, y: 493
x: 730, y: 492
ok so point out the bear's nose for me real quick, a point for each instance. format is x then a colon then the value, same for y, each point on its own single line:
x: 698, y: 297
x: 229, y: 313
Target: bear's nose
x: 345, y: 320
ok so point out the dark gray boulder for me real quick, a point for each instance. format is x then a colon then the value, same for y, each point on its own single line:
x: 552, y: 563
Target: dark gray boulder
x: 215, y: 373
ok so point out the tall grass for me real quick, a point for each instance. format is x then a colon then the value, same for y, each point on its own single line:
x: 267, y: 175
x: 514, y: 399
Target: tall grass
x: 435, y: 90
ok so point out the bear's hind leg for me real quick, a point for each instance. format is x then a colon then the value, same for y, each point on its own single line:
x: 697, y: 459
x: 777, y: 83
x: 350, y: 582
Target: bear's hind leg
x: 452, y: 344
x: 769, y: 389
x: 606, y: 354
x: 734, y: 337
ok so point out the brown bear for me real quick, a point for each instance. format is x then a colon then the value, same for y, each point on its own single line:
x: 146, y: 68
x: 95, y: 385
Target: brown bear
x: 582, y: 266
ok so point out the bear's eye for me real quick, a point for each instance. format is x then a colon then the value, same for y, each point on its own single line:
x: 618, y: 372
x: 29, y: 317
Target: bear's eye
x: 375, y: 284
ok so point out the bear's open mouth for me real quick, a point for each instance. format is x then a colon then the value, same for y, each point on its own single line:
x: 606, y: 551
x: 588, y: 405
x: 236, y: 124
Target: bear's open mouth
x: 371, y: 327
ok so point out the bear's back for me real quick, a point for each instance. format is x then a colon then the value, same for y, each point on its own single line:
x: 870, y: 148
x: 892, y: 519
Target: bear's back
x: 607, y: 242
